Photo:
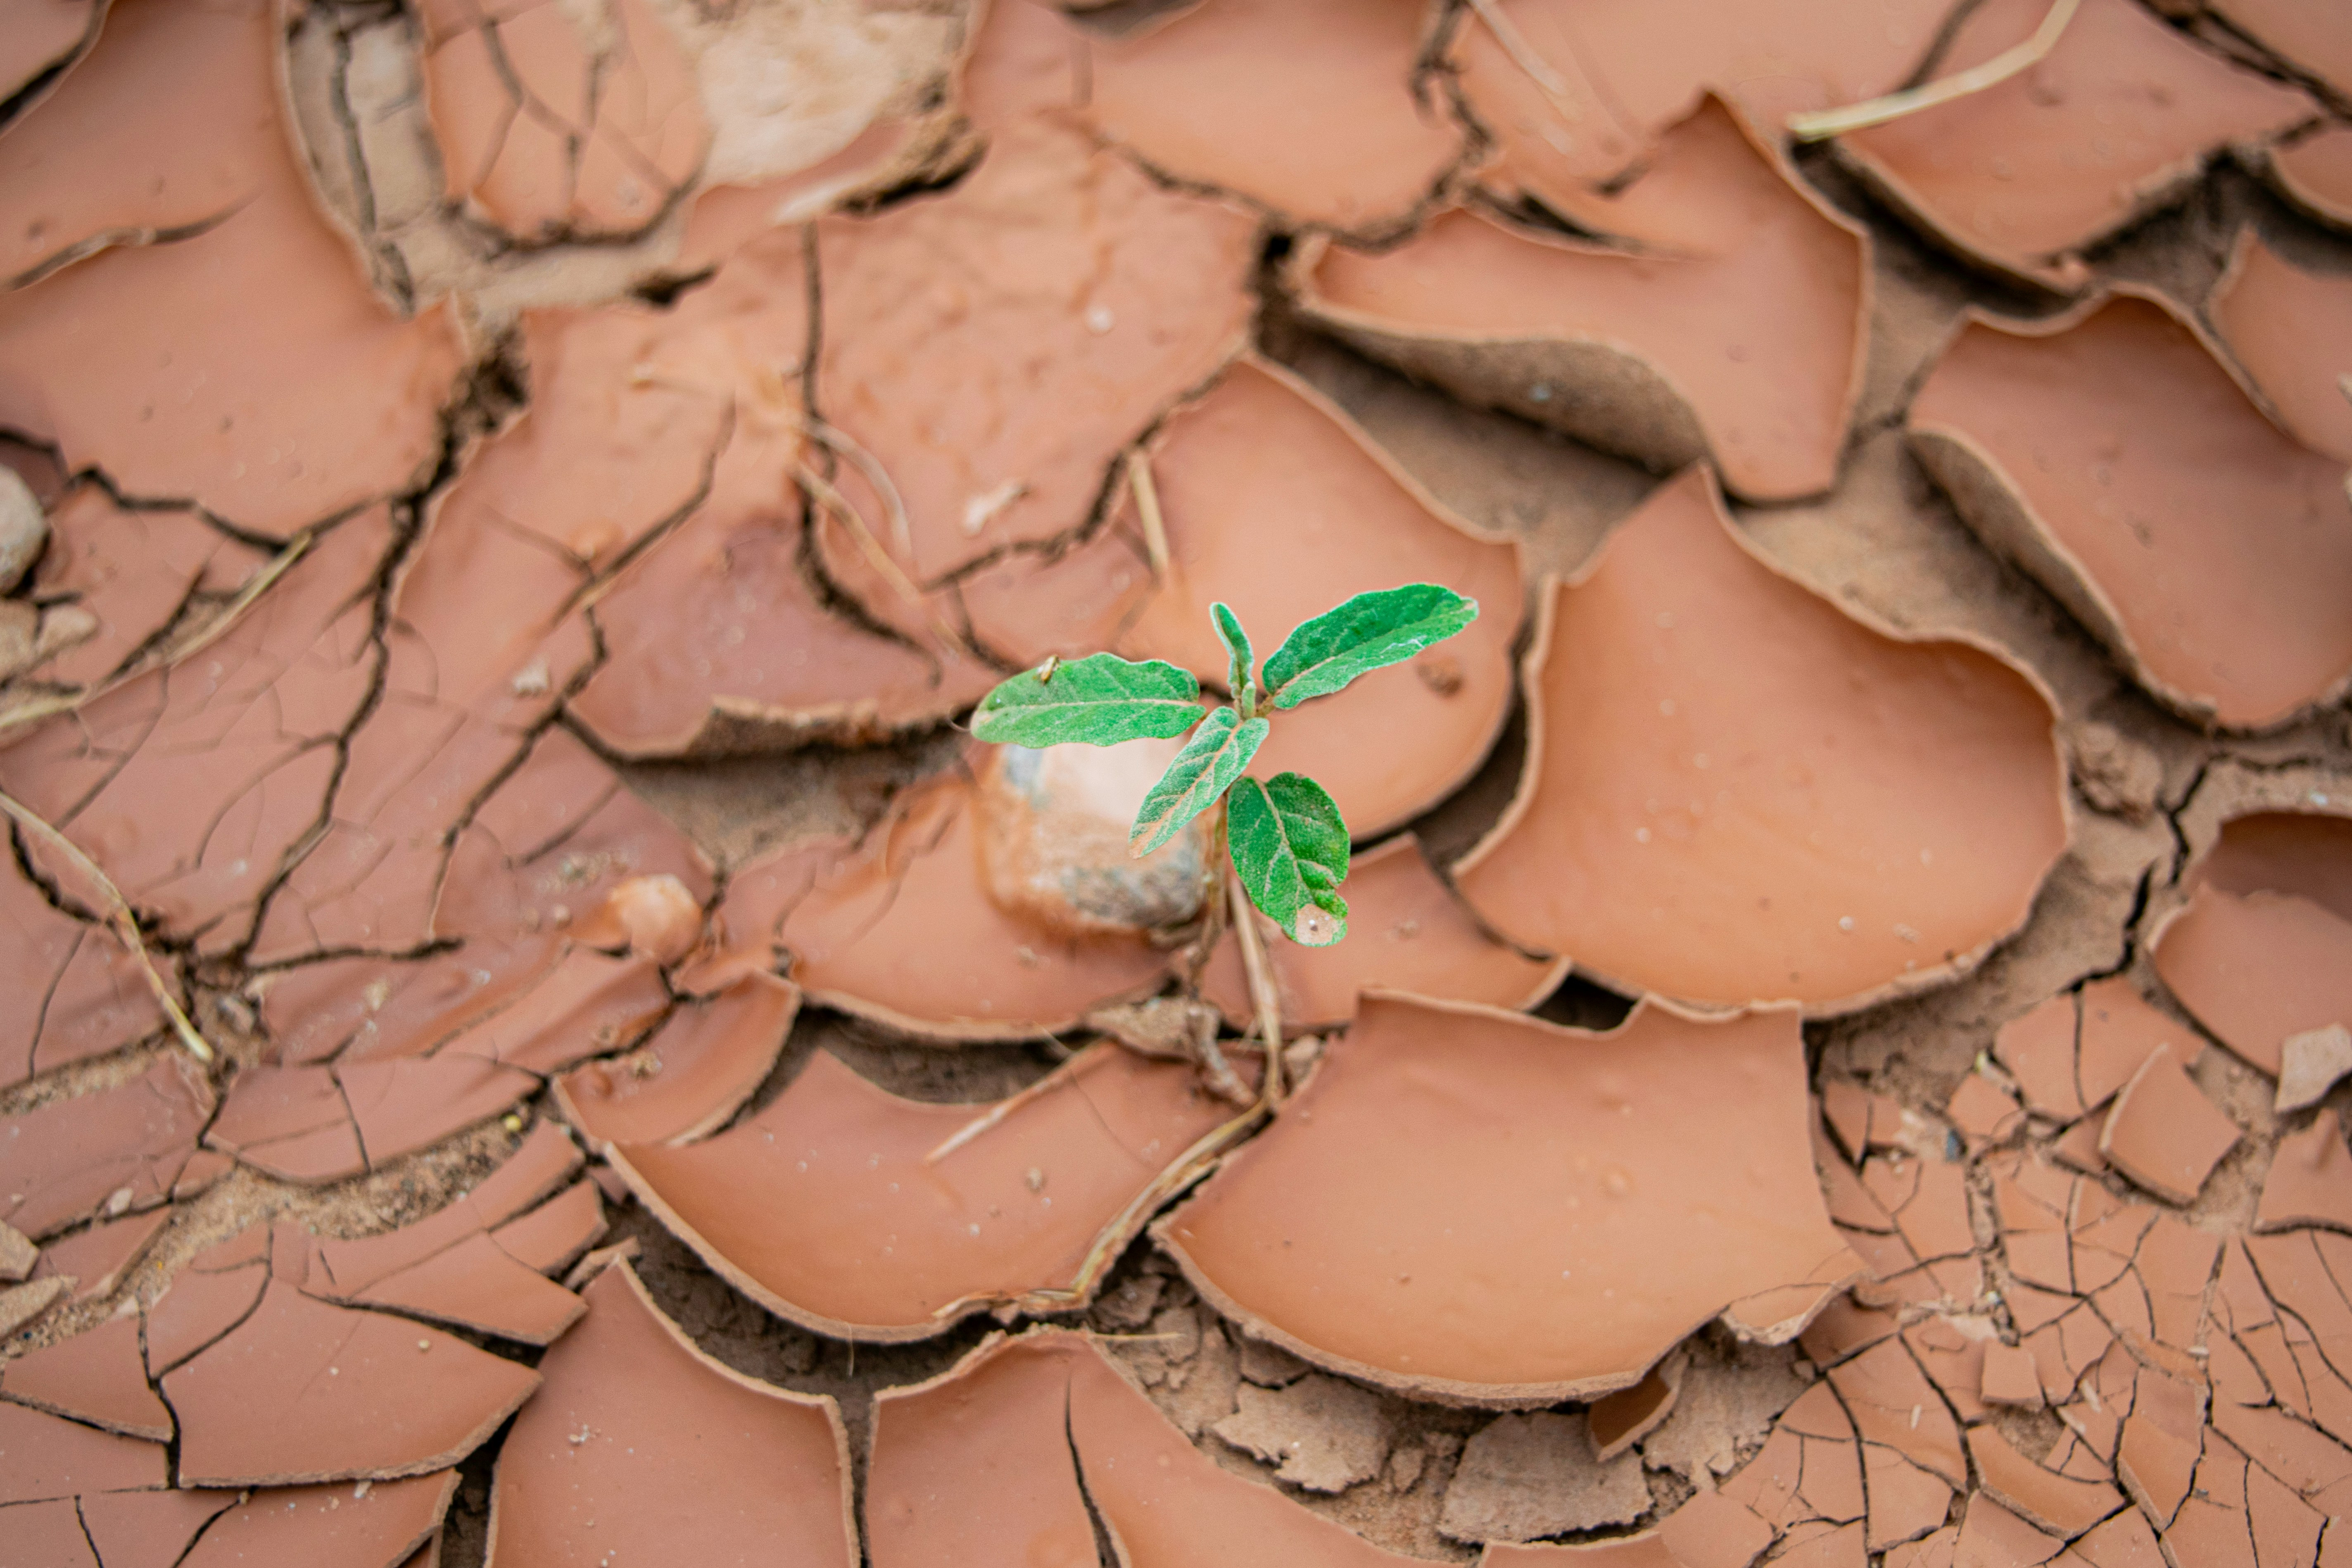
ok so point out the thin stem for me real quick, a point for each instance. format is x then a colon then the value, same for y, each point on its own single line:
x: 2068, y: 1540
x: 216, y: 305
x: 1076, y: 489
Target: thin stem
x: 1525, y: 56
x: 1264, y: 996
x: 125, y: 923
x: 1147, y: 511
x: 830, y: 499
x: 1821, y: 124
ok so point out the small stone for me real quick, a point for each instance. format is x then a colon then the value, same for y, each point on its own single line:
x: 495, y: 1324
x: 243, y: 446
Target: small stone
x: 62, y: 626
x: 24, y: 530
x: 2310, y: 1064
x: 1053, y: 839
x: 1325, y: 1433
x: 24, y: 1304
x: 19, y: 629
x: 17, y: 1253
x: 1525, y: 1477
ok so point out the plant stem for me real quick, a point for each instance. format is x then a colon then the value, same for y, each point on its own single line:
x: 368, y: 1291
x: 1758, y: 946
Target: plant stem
x: 1264, y: 997
x: 1822, y: 124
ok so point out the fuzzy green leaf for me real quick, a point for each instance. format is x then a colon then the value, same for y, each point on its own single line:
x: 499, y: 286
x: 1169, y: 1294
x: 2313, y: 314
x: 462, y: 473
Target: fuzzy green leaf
x: 1238, y: 652
x: 1290, y: 844
x: 1369, y: 631
x: 1215, y: 755
x: 1098, y: 700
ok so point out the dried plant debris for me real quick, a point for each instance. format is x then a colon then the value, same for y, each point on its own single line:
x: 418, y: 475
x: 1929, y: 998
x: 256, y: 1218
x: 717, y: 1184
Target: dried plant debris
x: 2291, y: 329
x: 1734, y: 326
x: 692, y: 1077
x: 1413, y: 934
x: 1315, y: 1237
x: 907, y: 927
x: 1254, y: 484
x: 2095, y: 450
x: 1036, y: 1449
x: 636, y: 1433
x: 1314, y: 110
x: 855, y: 1212
x: 1578, y: 94
x: 1087, y: 300
x: 247, y: 367
x: 2258, y: 953
x: 1804, y: 873
x: 2315, y: 173
x: 2114, y: 122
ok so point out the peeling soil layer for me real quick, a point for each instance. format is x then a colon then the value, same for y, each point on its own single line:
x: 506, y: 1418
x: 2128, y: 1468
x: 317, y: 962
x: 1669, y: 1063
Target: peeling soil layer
x: 531, y: 1032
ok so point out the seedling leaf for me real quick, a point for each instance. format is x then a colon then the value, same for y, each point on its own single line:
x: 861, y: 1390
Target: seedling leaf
x: 1365, y: 633
x: 1290, y: 845
x: 1098, y: 700
x: 1215, y: 755
x: 1237, y: 649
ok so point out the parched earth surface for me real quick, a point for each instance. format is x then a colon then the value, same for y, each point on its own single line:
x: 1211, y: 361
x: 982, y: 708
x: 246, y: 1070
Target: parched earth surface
x: 528, y: 1032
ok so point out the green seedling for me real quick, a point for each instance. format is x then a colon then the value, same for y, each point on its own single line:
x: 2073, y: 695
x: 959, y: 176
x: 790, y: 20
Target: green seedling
x: 1286, y: 840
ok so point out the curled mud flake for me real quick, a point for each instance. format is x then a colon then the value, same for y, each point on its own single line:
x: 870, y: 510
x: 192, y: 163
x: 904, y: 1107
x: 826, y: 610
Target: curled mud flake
x: 302, y: 1390
x: 1413, y: 934
x: 191, y: 784
x: 1053, y: 838
x: 143, y: 141
x: 49, y: 1457
x: 904, y: 931
x: 2065, y: 1506
x: 556, y: 121
x: 1666, y: 754
x: 246, y: 369
x: 856, y: 1230
x: 67, y: 1161
x: 1028, y: 607
x: 2115, y: 120
x: 2315, y: 173
x: 2096, y: 449
x: 1087, y: 299
x: 292, y: 1527
x: 2291, y: 329
x: 98, y: 1376
x: 1315, y: 1237
x: 2259, y: 954
x: 564, y: 844
x: 692, y: 1077
x: 1577, y: 94
x: 1305, y: 107
x: 1256, y: 482
x: 637, y: 1430
x: 1737, y: 333
x: 2163, y: 1132
x: 1034, y: 1449
x: 80, y: 994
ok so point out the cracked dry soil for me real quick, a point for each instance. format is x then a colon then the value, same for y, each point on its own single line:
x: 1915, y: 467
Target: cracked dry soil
x: 1842, y: 1056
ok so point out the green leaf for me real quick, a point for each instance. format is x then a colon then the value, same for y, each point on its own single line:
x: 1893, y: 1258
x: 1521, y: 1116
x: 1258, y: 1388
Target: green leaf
x: 1098, y: 700
x: 1290, y: 845
x: 1210, y: 759
x: 1237, y: 649
x: 1369, y: 631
